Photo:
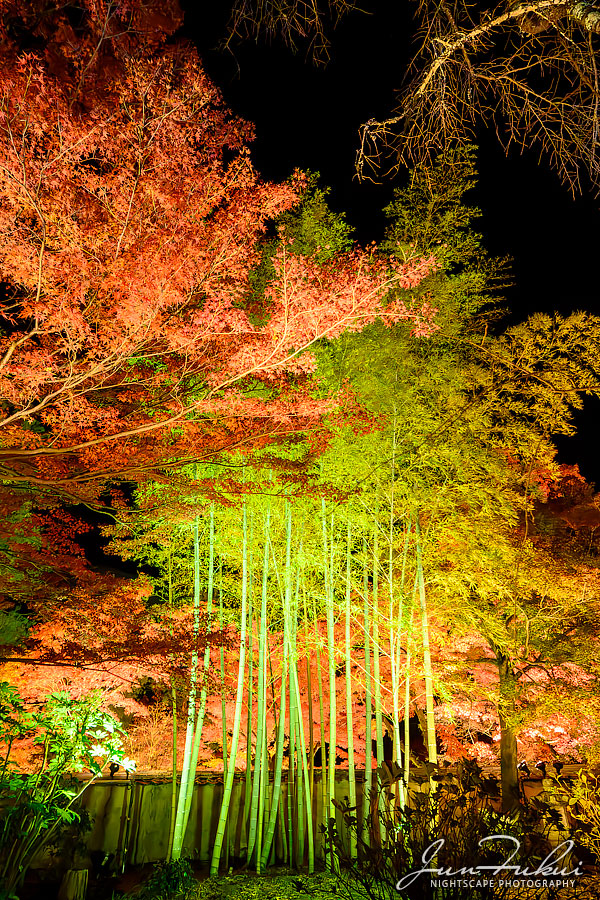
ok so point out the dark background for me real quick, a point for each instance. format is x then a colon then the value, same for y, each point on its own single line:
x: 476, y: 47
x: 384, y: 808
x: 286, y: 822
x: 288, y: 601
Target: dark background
x: 308, y: 117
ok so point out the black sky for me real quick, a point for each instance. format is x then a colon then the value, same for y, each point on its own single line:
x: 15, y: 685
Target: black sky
x: 308, y: 117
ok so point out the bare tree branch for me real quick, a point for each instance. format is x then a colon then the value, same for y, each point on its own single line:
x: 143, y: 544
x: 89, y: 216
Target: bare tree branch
x: 293, y: 21
x: 528, y: 69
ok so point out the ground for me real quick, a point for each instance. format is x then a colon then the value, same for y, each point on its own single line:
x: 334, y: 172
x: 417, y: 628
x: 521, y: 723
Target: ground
x: 247, y: 886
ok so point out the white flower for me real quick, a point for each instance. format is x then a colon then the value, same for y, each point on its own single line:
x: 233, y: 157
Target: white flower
x: 128, y: 764
x: 97, y: 750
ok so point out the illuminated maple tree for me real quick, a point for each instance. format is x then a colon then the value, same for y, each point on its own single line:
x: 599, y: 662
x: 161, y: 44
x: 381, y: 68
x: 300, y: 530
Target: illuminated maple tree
x: 130, y: 218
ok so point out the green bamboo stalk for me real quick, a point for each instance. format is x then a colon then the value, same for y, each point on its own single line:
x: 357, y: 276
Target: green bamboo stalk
x: 173, y: 766
x: 407, y: 695
x: 275, y: 804
x: 249, y: 776
x: 249, y: 711
x: 376, y: 668
x: 173, y: 683
x: 306, y: 776
x: 291, y: 781
x: 220, y: 835
x: 300, y: 787
x: 270, y: 790
x: 395, y: 623
x: 349, y: 718
x: 205, y: 670
x: 366, y: 820
x: 395, y: 650
x: 263, y: 795
x: 184, y: 787
x: 291, y: 751
x: 321, y: 721
x: 311, y: 730
x: 376, y: 645
x: 299, y: 744
x: 224, y: 740
x: 261, y: 706
x: 329, y: 605
x: 427, y: 669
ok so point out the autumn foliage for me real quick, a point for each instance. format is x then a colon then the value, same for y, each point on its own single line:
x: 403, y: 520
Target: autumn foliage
x: 131, y: 217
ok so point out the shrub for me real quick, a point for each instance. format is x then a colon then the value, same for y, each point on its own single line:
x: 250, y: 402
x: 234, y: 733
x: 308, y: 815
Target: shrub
x: 459, y: 814
x: 69, y: 736
x: 169, y: 881
x: 584, y: 807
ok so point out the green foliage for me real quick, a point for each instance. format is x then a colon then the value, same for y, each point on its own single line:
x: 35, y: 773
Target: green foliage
x: 312, y: 228
x: 430, y: 449
x: 70, y: 735
x: 171, y: 880
x: 536, y: 375
x: 430, y: 215
x: 458, y: 811
x: 14, y: 628
x: 584, y: 807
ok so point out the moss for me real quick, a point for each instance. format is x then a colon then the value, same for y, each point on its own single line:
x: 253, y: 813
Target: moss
x: 248, y: 886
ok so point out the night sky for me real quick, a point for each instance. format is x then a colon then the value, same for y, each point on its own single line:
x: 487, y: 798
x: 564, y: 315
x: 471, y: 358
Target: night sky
x: 308, y: 117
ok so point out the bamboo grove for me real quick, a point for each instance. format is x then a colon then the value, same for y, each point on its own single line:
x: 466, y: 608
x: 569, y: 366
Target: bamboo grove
x: 331, y: 653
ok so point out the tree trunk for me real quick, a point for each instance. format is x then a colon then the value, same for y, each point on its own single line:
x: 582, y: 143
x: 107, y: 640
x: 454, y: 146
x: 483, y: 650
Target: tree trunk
x: 509, y: 775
